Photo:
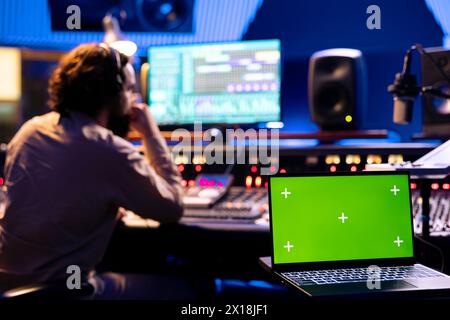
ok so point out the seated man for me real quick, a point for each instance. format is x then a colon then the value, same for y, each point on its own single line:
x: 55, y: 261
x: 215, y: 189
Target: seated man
x: 68, y: 172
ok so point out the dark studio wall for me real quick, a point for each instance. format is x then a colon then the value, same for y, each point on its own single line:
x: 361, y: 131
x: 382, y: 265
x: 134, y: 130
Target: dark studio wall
x: 308, y: 26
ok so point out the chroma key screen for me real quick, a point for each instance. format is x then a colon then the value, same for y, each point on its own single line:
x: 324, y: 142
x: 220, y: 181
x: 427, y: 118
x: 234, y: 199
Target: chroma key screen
x: 342, y: 217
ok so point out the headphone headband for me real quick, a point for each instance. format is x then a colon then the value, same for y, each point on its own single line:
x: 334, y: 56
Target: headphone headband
x: 115, y: 57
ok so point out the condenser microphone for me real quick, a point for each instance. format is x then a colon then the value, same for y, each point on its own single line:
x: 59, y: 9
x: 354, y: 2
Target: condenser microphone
x: 405, y: 90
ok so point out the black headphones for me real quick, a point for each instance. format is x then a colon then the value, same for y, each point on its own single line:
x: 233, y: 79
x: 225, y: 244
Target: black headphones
x: 115, y: 58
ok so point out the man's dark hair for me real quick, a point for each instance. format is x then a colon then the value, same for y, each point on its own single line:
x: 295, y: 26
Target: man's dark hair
x: 85, y: 80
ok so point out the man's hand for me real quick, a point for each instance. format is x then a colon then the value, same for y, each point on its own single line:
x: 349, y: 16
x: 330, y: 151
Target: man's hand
x: 142, y: 120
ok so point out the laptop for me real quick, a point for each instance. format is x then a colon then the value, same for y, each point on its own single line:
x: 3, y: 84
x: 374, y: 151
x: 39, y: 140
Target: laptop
x: 346, y: 233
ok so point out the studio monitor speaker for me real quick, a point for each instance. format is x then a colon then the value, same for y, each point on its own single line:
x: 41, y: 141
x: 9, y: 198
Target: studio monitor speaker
x: 337, y: 88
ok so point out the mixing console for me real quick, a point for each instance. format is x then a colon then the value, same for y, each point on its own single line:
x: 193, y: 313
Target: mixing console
x: 246, y: 205
x: 239, y: 203
x: 246, y: 201
x: 439, y: 212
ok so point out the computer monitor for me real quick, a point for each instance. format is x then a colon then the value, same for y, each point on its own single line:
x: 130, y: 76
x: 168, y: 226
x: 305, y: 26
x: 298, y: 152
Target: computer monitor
x: 11, y: 68
x: 220, y: 83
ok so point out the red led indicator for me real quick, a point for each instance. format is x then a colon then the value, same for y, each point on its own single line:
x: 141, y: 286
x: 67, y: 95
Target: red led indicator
x: 353, y: 169
x: 253, y: 169
x: 333, y: 169
x: 413, y: 186
x: 266, y: 184
x: 282, y: 170
x: 183, y: 183
x: 435, y: 186
x: 446, y: 186
x: 180, y: 168
x: 273, y: 169
x: 198, y: 168
x: 191, y: 183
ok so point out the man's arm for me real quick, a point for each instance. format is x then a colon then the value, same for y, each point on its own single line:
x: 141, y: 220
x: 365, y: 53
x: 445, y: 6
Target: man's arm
x: 156, y: 150
x: 151, y: 184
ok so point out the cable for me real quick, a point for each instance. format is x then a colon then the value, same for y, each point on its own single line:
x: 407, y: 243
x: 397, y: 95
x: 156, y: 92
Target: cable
x: 441, y: 253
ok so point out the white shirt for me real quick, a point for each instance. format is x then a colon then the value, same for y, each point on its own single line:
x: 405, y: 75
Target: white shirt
x: 65, y: 180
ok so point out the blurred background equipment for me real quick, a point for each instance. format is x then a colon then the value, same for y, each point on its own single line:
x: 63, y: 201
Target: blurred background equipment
x: 141, y: 15
x: 10, y: 91
x: 435, y: 89
x: 291, y: 22
x: 337, y: 88
x: 436, y: 110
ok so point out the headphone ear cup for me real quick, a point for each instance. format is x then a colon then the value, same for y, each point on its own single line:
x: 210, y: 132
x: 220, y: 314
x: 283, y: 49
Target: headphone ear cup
x: 119, y: 81
x: 115, y: 58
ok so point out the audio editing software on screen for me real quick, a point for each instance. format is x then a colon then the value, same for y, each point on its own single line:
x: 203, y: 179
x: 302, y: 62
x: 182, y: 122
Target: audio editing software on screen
x: 215, y: 83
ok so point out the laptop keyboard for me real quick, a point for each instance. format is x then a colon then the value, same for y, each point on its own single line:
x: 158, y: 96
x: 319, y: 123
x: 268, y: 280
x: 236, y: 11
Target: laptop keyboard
x: 360, y: 275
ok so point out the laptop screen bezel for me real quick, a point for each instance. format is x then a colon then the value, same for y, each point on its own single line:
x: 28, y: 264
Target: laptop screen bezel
x: 299, y: 266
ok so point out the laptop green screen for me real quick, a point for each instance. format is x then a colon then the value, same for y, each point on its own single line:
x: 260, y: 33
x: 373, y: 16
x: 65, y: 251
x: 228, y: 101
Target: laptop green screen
x: 342, y: 217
